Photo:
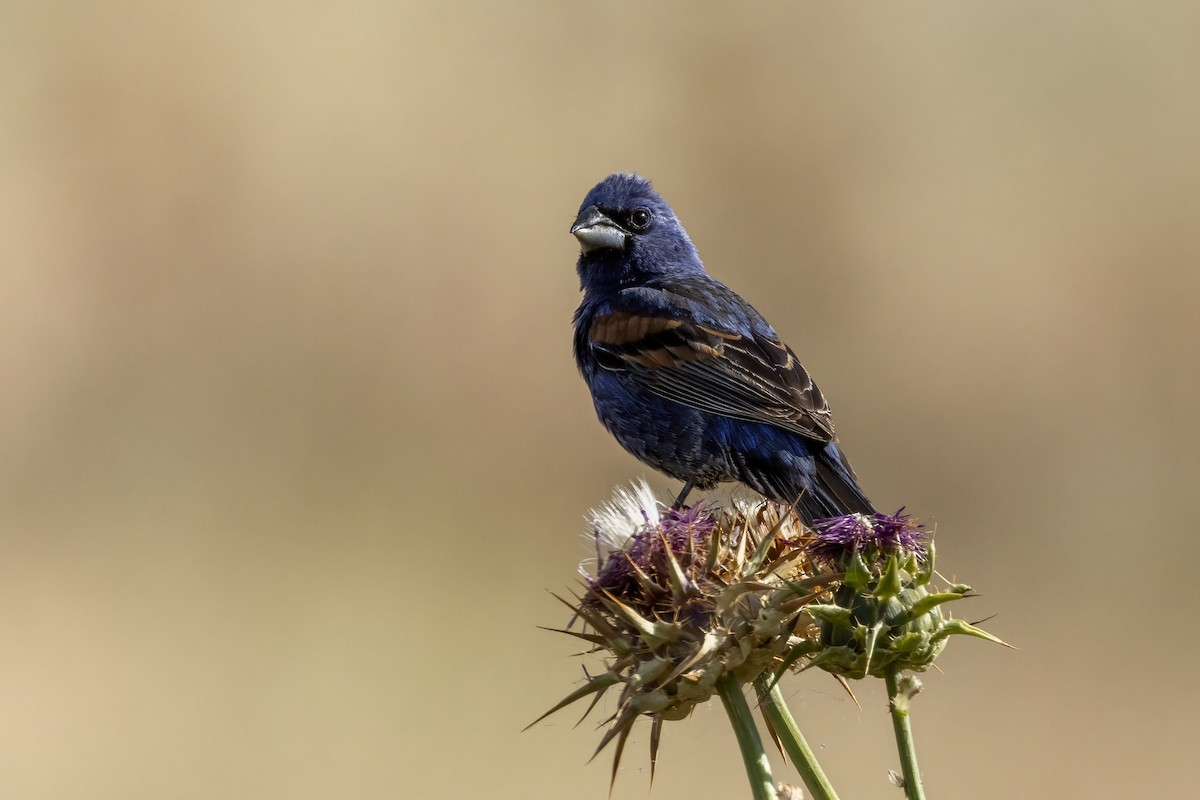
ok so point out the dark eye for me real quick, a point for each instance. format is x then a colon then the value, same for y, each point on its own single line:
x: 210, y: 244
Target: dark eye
x: 639, y: 219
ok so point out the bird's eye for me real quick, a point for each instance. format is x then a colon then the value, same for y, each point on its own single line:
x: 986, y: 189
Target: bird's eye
x: 639, y: 220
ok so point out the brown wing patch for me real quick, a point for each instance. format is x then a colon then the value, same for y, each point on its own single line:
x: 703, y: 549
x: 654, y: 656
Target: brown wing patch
x: 743, y: 376
x: 621, y: 327
x: 693, y: 350
x: 726, y: 335
x: 653, y: 343
x: 789, y: 361
x: 668, y: 354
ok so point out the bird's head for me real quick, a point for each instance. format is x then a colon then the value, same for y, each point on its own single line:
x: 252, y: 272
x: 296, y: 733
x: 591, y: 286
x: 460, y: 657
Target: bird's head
x: 627, y: 233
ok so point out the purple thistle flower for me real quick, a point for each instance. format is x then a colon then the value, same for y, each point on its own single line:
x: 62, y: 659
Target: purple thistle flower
x: 870, y: 535
x: 899, y: 531
x: 685, y: 532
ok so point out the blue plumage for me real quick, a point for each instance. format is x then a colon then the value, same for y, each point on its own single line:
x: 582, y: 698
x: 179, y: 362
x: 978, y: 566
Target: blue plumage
x: 685, y: 374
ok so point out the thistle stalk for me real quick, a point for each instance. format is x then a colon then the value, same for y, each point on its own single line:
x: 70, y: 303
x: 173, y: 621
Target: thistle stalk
x: 901, y: 689
x: 758, y: 769
x: 781, y: 721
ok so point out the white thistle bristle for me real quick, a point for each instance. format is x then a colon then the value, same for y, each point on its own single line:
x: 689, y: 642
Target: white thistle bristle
x: 614, y: 523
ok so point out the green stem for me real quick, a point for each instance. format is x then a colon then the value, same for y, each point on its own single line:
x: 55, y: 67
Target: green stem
x: 780, y: 718
x: 758, y: 769
x: 899, y: 697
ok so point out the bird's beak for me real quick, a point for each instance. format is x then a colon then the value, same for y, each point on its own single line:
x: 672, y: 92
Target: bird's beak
x: 595, y: 231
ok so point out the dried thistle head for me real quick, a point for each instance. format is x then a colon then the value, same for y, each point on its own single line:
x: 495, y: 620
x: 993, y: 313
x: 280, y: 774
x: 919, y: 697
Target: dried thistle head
x: 686, y: 597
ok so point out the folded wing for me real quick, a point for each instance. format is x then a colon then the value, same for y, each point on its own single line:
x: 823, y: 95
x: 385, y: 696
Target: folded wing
x: 743, y: 376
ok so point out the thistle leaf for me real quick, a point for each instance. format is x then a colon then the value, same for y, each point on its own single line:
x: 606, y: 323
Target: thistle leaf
x: 598, y: 684
x: 961, y: 627
x: 833, y: 614
x: 858, y: 574
x: 675, y: 573
x: 931, y: 601
x: 889, y: 582
x: 655, y: 739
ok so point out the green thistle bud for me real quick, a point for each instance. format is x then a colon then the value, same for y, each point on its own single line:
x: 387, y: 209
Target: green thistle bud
x: 887, y: 614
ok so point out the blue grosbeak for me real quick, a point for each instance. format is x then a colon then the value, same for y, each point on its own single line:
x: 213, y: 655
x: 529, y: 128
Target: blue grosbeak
x: 685, y: 374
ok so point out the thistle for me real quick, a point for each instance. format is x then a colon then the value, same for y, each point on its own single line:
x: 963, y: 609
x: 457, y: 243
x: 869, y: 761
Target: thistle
x: 886, y: 618
x: 886, y: 614
x: 682, y: 605
x: 683, y: 600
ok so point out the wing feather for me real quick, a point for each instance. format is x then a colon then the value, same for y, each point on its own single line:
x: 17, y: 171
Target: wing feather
x: 749, y: 377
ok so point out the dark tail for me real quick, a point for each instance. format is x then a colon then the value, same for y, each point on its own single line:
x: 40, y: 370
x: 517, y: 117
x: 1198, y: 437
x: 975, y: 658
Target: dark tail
x: 835, y: 492
x: 820, y: 482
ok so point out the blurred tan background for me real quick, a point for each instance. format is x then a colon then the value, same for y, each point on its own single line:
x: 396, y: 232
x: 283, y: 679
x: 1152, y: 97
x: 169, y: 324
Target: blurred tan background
x: 293, y: 444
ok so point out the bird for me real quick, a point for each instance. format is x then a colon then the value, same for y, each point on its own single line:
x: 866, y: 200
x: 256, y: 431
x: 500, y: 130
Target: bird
x: 688, y: 376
